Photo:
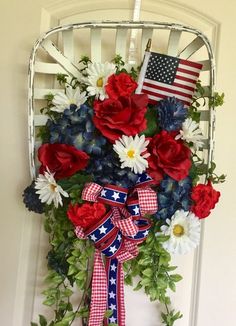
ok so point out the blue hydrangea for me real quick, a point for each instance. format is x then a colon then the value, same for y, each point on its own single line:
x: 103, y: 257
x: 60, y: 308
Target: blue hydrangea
x: 31, y: 199
x: 172, y: 196
x: 75, y: 127
x: 107, y: 170
x: 171, y: 114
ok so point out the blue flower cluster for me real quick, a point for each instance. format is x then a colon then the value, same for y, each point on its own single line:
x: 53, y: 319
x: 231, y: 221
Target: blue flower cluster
x: 107, y: 170
x: 172, y: 196
x: 171, y: 114
x: 31, y: 199
x: 75, y: 127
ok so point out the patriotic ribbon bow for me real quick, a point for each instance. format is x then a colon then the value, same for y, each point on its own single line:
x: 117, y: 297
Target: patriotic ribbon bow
x: 116, y: 237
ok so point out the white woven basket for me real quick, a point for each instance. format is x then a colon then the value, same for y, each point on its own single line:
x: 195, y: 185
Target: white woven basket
x: 59, y: 51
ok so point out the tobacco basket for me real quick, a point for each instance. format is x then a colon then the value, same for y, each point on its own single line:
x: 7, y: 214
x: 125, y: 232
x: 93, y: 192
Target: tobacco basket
x: 59, y: 51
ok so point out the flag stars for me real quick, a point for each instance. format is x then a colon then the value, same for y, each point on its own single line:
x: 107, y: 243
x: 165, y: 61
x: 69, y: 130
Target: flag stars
x: 136, y: 210
x: 113, y: 267
x: 112, y: 281
x: 116, y: 195
x: 93, y: 238
x: 112, y: 319
x: 103, y: 193
x: 112, y: 295
x: 145, y: 234
x: 119, y: 237
x: 112, y: 306
x: 113, y: 249
x: 102, y: 230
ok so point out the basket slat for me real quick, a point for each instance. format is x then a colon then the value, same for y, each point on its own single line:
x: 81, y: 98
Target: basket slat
x: 121, y: 37
x: 96, y: 51
x: 193, y: 47
x: 60, y: 58
x: 206, y: 65
x: 40, y: 120
x: 49, y: 68
x: 40, y: 93
x: 68, y: 44
x: 173, y: 43
x: 146, y: 35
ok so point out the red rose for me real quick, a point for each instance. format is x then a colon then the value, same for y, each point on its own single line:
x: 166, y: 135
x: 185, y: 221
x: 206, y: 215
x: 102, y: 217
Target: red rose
x: 168, y: 156
x: 61, y: 159
x: 120, y: 85
x: 204, y: 197
x: 86, y: 215
x: 124, y: 116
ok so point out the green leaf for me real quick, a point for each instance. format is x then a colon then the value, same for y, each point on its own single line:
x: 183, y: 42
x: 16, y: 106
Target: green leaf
x: 148, y: 272
x: 33, y: 324
x: 138, y: 286
x: 72, y: 270
x: 81, y: 275
x: 128, y: 280
x: 145, y: 281
x: 151, y: 117
x: 42, y: 320
x: 108, y: 313
x: 176, y: 277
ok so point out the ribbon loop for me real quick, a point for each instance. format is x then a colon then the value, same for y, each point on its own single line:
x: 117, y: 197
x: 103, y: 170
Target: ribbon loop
x: 147, y: 199
x: 91, y: 191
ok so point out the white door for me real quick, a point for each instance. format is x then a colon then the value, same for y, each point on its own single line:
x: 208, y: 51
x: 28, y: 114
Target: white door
x: 23, y: 244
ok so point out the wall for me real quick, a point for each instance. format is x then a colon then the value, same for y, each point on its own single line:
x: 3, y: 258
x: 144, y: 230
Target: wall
x: 20, y: 230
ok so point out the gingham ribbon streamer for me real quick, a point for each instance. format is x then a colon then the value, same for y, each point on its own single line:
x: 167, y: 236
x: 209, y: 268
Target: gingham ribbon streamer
x: 108, y: 283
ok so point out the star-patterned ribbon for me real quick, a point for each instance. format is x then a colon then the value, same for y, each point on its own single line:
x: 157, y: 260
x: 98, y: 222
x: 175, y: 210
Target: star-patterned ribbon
x: 116, y: 237
x: 108, y: 280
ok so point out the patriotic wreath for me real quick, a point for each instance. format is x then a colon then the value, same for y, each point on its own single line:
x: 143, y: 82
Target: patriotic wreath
x: 119, y: 185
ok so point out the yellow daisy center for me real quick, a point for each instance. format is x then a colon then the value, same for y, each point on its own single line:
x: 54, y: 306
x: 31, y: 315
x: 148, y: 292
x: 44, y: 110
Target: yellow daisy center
x: 100, y: 82
x: 53, y: 187
x: 178, y: 230
x: 131, y: 153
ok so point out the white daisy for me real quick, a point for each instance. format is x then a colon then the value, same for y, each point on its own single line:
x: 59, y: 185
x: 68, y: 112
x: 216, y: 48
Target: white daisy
x: 49, y: 190
x: 191, y: 133
x: 97, y: 75
x: 131, y: 152
x: 63, y: 101
x: 184, y: 232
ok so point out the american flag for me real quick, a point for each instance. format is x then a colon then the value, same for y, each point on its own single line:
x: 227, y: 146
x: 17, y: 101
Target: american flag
x: 164, y: 76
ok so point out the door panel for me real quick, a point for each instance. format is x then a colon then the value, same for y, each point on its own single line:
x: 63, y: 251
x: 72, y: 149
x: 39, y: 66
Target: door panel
x: 27, y: 244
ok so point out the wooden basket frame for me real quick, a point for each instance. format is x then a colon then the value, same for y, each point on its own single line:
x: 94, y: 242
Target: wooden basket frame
x: 147, y: 28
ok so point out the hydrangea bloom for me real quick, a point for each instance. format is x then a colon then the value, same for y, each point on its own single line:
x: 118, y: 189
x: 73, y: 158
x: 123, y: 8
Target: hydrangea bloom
x: 31, y: 199
x: 172, y: 196
x: 107, y: 170
x: 172, y: 114
x: 75, y: 127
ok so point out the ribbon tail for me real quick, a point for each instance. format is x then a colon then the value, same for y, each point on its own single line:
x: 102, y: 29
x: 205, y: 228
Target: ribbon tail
x: 99, y: 292
x: 115, y: 299
x: 121, y: 295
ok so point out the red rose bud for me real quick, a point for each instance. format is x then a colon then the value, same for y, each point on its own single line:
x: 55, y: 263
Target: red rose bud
x: 86, y: 215
x: 168, y: 156
x: 61, y: 159
x: 124, y: 116
x: 120, y: 85
x: 204, y: 197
